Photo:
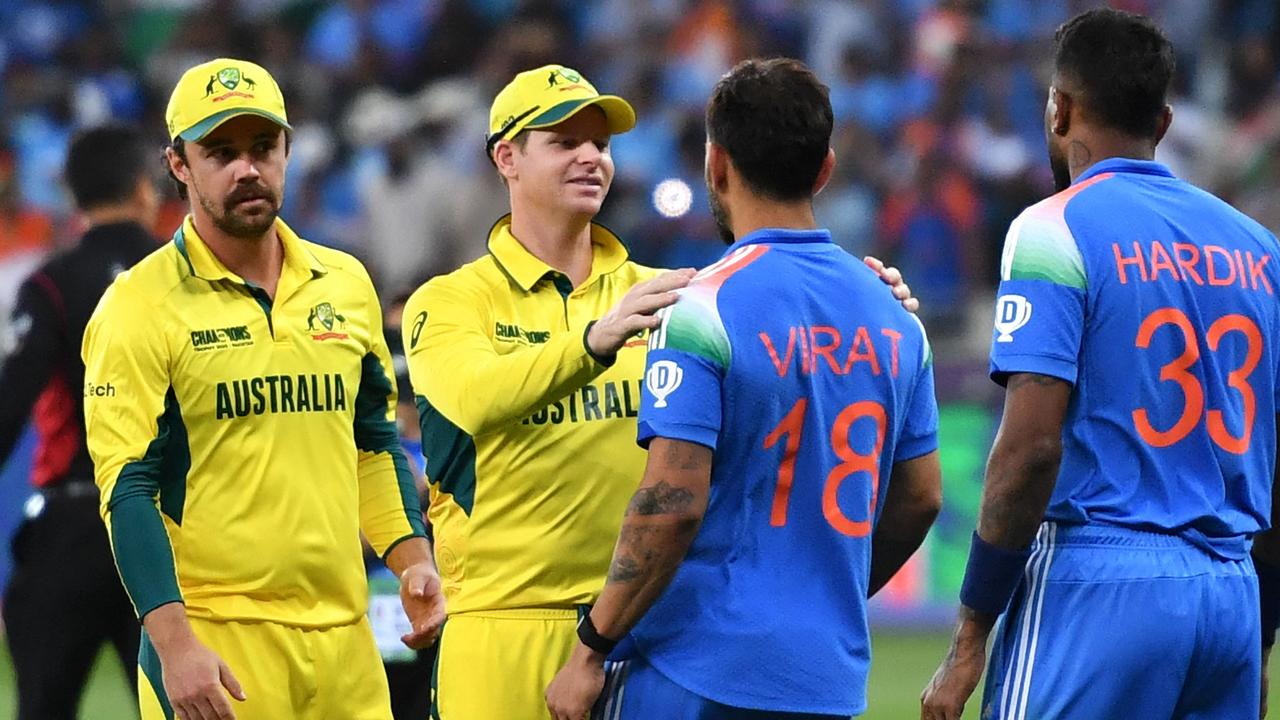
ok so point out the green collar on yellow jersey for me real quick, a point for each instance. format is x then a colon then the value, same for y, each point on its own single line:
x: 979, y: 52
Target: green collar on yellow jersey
x: 607, y: 254
x: 205, y: 265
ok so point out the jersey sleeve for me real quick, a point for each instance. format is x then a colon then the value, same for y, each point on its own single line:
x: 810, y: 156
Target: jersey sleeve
x: 137, y: 440
x: 920, y: 429
x: 688, y: 357
x: 465, y: 382
x: 1040, y: 306
x: 30, y: 349
x: 389, y: 507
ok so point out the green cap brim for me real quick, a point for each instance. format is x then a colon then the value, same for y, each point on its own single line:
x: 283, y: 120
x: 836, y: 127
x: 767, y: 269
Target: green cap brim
x: 618, y: 112
x: 197, y: 132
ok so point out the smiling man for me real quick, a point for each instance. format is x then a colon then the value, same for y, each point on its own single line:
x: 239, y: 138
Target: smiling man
x: 242, y: 432
x: 740, y: 593
x: 526, y: 365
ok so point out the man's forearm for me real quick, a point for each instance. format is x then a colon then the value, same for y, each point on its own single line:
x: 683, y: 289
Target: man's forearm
x: 479, y: 391
x: 644, y: 562
x: 409, y: 552
x: 1019, y: 483
x: 167, y: 627
x: 1021, y: 474
x: 913, y: 501
x: 660, y: 524
x: 891, y: 550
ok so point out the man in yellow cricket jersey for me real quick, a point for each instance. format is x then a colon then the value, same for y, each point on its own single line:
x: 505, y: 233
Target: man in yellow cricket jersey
x: 528, y: 384
x: 239, y: 406
x: 527, y: 366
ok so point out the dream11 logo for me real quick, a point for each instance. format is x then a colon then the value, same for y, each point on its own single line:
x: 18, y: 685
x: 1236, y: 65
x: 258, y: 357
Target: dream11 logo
x: 1012, y: 312
x: 663, y: 378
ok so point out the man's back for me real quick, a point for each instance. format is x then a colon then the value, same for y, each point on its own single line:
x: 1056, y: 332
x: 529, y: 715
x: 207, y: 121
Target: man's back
x: 1155, y: 299
x: 44, y: 371
x: 809, y: 382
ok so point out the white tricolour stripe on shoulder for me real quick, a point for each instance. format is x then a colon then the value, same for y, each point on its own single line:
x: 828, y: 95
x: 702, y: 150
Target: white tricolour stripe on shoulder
x: 1011, y: 246
x: 727, y: 261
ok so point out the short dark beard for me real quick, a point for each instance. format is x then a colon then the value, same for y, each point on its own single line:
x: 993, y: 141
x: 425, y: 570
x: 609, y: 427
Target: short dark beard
x: 721, y: 216
x: 229, y: 222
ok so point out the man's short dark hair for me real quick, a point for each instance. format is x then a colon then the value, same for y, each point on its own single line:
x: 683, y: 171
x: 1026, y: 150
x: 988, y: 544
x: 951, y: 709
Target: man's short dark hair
x: 104, y: 165
x: 1122, y: 64
x: 774, y: 119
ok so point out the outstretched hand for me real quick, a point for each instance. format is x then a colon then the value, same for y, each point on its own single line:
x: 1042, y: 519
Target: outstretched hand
x: 422, y: 596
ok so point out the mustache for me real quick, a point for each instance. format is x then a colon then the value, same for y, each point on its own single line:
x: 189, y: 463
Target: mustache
x: 249, y: 192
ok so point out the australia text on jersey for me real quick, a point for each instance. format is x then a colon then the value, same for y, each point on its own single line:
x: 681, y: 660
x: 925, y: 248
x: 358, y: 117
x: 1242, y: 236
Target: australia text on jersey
x: 280, y: 394
x: 606, y: 401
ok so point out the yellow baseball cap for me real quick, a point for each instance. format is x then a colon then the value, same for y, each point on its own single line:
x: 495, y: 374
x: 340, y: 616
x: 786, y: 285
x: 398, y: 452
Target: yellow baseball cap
x: 548, y: 95
x: 211, y: 93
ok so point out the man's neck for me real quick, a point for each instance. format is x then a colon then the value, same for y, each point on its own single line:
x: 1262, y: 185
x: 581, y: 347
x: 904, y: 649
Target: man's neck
x: 1091, y: 148
x: 112, y: 215
x: 563, y: 242
x: 755, y: 214
x: 258, y: 260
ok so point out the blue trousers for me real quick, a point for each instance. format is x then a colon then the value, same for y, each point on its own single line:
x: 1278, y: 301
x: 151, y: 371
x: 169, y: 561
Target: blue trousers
x: 635, y: 690
x: 1113, y: 623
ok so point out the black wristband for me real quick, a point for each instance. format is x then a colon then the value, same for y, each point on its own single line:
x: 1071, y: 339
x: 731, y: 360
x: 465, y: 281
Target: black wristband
x: 591, y: 638
x: 605, y: 360
x: 1268, y: 600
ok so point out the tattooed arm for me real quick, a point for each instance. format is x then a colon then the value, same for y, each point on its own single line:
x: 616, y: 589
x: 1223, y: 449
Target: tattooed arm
x: 1023, y: 466
x: 659, y: 525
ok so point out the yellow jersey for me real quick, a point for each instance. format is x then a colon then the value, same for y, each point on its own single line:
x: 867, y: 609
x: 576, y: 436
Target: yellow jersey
x: 530, y: 440
x: 241, y: 442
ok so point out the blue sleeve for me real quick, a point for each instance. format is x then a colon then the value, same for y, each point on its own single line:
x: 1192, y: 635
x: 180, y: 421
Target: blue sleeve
x: 681, y: 398
x: 920, y: 431
x: 689, y: 355
x: 1040, y: 307
x: 1038, y: 326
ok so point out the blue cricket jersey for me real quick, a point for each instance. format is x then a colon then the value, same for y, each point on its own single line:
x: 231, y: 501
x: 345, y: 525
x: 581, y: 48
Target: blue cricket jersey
x: 1158, y: 302
x: 793, y: 362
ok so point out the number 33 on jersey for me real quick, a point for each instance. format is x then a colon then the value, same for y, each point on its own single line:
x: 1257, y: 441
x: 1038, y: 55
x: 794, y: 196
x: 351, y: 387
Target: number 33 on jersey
x: 1164, y: 319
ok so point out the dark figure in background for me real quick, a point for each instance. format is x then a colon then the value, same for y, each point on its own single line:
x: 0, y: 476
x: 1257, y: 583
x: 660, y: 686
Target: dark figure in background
x: 408, y: 670
x: 65, y: 598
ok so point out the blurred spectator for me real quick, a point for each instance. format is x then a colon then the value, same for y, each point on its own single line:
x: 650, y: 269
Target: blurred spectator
x: 408, y: 670
x: 929, y: 230
x: 65, y: 600
x: 424, y: 213
x: 386, y: 161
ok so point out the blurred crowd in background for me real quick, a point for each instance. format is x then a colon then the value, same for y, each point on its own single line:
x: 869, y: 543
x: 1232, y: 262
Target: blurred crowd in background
x: 939, y: 107
x: 940, y: 142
